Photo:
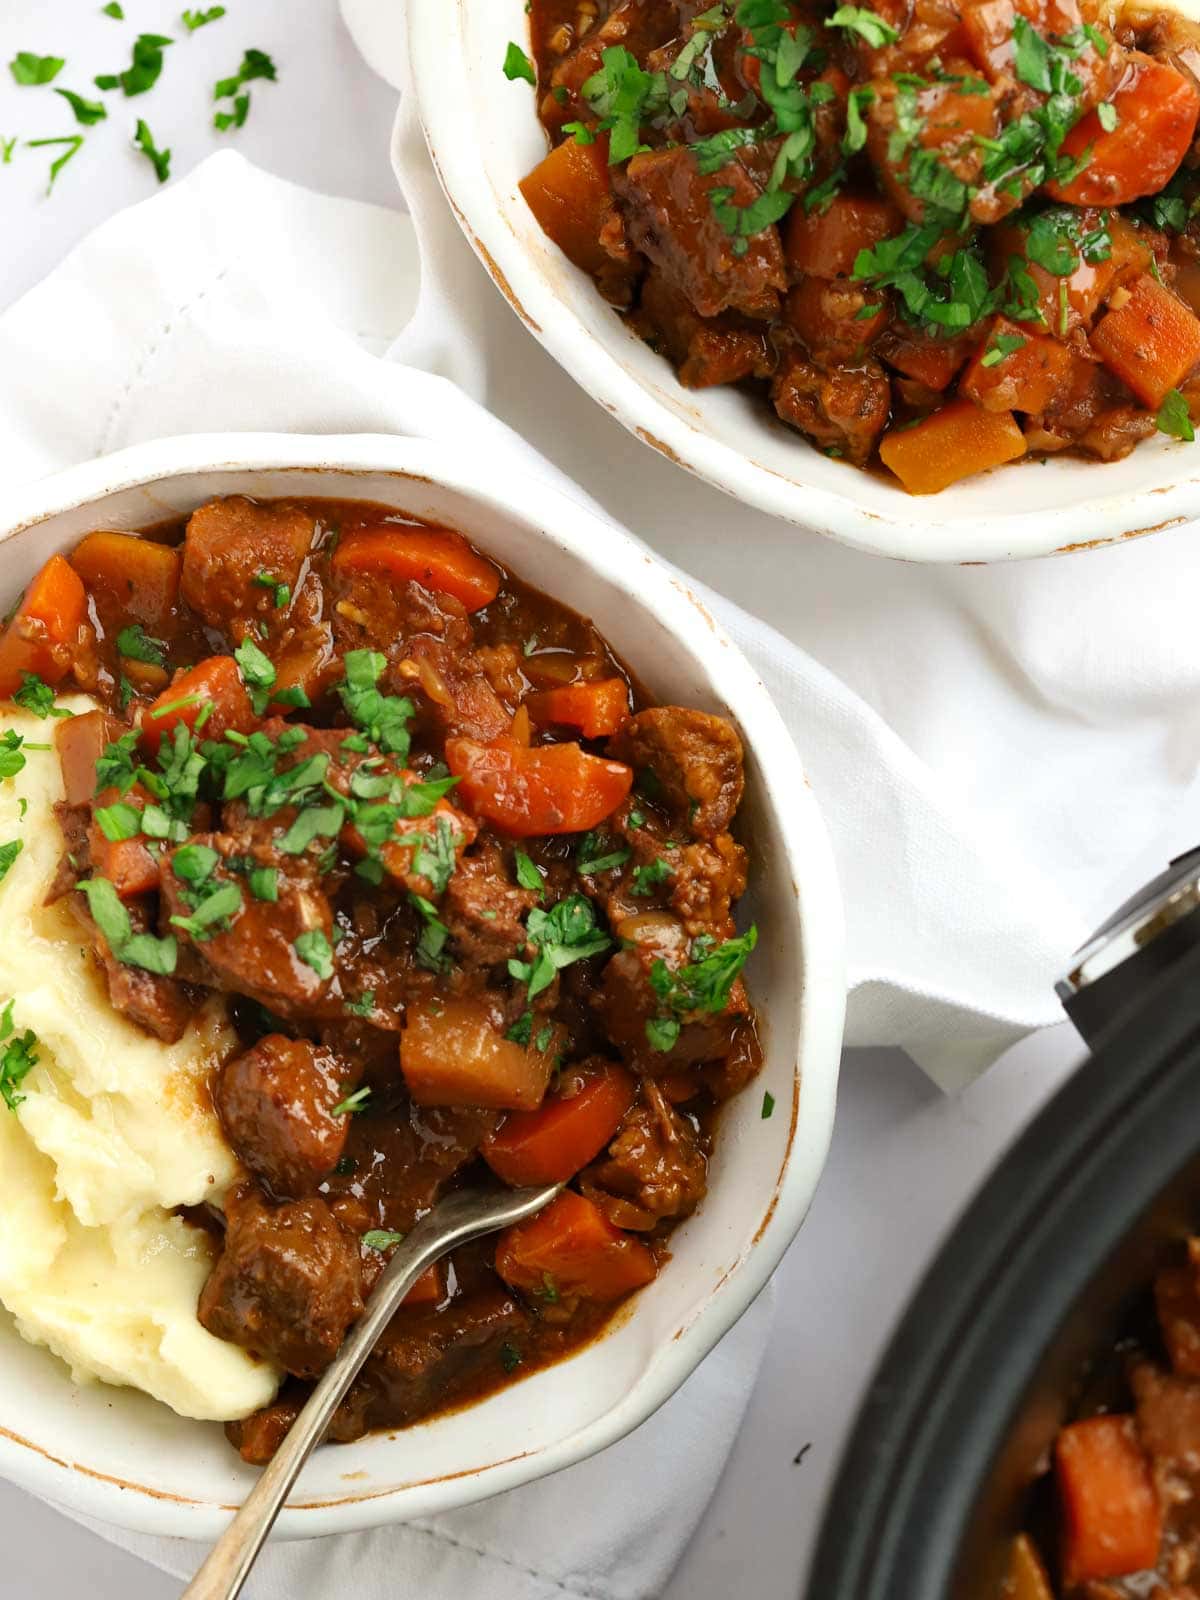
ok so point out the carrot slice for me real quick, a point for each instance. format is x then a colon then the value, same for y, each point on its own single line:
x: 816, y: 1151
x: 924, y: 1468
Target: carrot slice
x: 1112, y: 1521
x: 1027, y: 1579
x: 554, y: 1143
x: 571, y: 1248
x: 596, y: 709
x: 452, y: 1054
x: 549, y: 788
x: 1156, y: 109
x: 1016, y: 369
x: 1151, y: 340
x: 437, y: 558
x: 953, y: 443
x: 825, y: 244
x: 128, y: 864
x: 209, y: 696
x: 130, y: 579
x: 42, y: 635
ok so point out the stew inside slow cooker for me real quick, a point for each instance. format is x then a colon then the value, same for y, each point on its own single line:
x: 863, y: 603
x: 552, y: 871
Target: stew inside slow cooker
x: 1118, y: 1516
x: 469, y: 891
x: 938, y: 235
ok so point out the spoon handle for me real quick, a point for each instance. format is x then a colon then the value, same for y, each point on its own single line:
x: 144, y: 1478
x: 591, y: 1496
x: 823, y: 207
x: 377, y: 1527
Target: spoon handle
x: 462, y: 1216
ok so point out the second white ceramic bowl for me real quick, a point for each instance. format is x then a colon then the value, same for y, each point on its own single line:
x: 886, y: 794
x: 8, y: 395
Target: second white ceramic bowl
x: 484, y: 137
x: 119, y: 1456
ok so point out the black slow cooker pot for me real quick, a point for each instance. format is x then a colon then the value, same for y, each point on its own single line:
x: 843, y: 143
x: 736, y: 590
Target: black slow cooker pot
x: 1042, y: 1271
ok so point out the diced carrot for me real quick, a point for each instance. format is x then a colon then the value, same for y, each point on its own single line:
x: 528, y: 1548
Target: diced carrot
x: 1156, y: 109
x: 212, y: 690
x: 1071, y: 301
x: 1024, y: 378
x: 130, y: 579
x: 307, y: 663
x: 825, y: 244
x: 44, y: 631
x: 398, y: 857
x: 80, y: 742
x: 128, y: 864
x: 1151, y: 340
x: 597, y: 708
x: 549, y: 788
x: 1177, y: 1301
x: 1112, y: 1521
x: 953, y: 443
x: 453, y: 1054
x: 437, y: 558
x: 1027, y: 1579
x: 574, y: 1249
x: 427, y: 1291
x: 988, y: 26
x: 555, y: 1142
x: 932, y: 361
x: 570, y: 194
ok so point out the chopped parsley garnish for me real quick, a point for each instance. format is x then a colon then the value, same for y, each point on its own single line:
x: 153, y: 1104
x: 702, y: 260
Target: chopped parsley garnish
x: 143, y: 71
x: 521, y: 1031
x: 1056, y: 241
x: 861, y: 20
x: 1173, y: 417
x: 549, y: 1290
x: 30, y: 70
x: 131, y: 949
x: 135, y: 644
x: 1107, y: 115
x: 381, y: 1238
x: 224, y: 120
x: 518, y: 65
x: 113, y: 9
x: 363, y: 1006
x: 264, y: 882
x: 383, y: 718
x: 8, y: 854
x: 703, y: 985
x: 255, y: 64
x: 313, y: 822
x: 7, y: 146
x: 510, y: 1356
x: 73, y: 145
x: 1001, y: 345
x: 160, y: 160
x: 623, y: 96
x: 434, y: 855
x: 87, y: 112
x: 529, y: 874
x: 432, y: 943
x: 591, y: 856
x: 194, y: 863
x: 280, y: 592
x: 316, y: 952
x: 12, y: 757
x: 257, y: 674
x: 36, y: 696
x: 353, y: 1103
x: 647, y: 878
x: 199, y: 19
x: 18, y: 1059
x: 559, y: 937
x: 119, y: 821
x: 212, y: 912
x: 768, y: 1104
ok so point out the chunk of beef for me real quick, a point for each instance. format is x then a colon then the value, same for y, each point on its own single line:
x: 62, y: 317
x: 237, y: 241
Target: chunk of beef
x: 452, y: 692
x: 628, y: 999
x: 843, y: 412
x: 276, y: 1105
x: 484, y: 909
x: 253, y: 951
x: 699, y: 881
x: 287, y: 1284
x: 836, y: 318
x: 160, y: 1005
x: 425, y: 1147
x: 695, y: 760
x: 668, y: 209
x: 655, y: 1167
x: 428, y: 1357
x: 231, y: 542
x: 1168, y: 1418
x: 369, y: 615
x: 705, y: 350
x: 257, y: 1437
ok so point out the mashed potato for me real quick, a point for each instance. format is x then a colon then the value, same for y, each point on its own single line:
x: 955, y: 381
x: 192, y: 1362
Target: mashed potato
x: 115, y: 1131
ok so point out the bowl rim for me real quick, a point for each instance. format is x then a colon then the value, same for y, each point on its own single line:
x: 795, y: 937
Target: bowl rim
x: 442, y: 91
x: 602, y: 548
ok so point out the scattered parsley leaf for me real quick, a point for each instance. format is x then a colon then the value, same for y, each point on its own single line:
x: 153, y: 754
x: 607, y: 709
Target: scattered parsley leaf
x: 135, y: 644
x: 215, y: 909
x: 280, y: 592
x: 529, y: 874
x: 18, y: 1059
x: 559, y: 937
x: 521, y: 1031
x: 383, y: 718
x: 224, y: 120
x: 87, y: 112
x: 1173, y: 417
x: 591, y: 857
x: 30, y: 70
x: 363, y: 1006
x: 119, y: 822
x: 381, y: 1238
x: 258, y: 674
x: 143, y: 71
x: 510, y: 1356
x: 12, y: 757
x: 264, y: 883
x: 353, y: 1103
x: 73, y: 143
x: 316, y: 952
x: 1107, y: 115
x: 662, y: 1033
x: 199, y: 19
x: 768, y: 1104
x: 160, y: 160
x: 112, y: 919
x: 646, y: 879
x: 1003, y: 344
x: 518, y: 65
x: 255, y: 64
x: 864, y: 22
x: 37, y: 696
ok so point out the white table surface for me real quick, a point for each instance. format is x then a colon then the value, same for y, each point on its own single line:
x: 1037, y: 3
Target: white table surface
x: 904, y: 1158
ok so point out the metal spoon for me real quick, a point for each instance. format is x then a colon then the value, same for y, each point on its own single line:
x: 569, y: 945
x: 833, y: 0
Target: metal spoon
x: 460, y: 1217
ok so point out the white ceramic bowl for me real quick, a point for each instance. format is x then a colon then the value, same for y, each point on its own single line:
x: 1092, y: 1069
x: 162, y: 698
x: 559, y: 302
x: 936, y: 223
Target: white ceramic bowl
x: 119, y: 1456
x: 484, y: 137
